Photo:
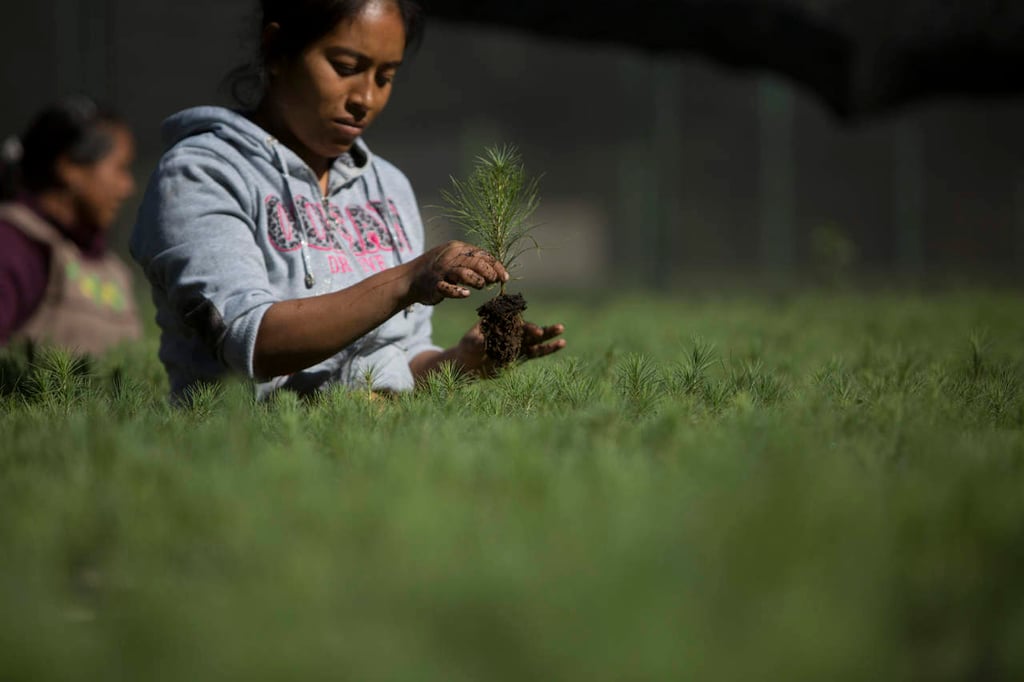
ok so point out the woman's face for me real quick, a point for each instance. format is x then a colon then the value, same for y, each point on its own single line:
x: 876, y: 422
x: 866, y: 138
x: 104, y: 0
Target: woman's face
x: 99, y: 189
x: 328, y: 95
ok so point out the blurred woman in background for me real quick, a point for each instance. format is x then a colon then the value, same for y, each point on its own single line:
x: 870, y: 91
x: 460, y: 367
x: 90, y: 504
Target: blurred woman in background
x: 63, y: 184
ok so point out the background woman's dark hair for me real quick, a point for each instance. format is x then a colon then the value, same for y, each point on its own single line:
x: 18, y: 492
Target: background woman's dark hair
x: 75, y: 128
x: 303, y: 22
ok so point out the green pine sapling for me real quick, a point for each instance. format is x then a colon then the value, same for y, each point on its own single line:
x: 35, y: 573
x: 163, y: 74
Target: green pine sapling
x: 494, y: 206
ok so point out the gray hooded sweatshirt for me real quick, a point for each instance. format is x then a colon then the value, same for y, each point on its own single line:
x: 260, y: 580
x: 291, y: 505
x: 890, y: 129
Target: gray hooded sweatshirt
x: 233, y: 221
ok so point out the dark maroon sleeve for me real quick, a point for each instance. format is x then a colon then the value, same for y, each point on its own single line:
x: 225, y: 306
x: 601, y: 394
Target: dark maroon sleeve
x: 24, y: 273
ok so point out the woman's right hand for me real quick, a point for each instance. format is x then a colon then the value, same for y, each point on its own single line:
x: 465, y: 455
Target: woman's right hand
x: 447, y: 270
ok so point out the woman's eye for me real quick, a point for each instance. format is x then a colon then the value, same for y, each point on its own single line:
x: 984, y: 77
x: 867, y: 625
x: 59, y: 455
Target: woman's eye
x: 385, y: 79
x: 343, y: 69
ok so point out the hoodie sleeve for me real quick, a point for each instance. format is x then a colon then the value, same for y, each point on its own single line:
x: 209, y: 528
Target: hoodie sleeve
x: 420, y: 339
x: 196, y: 241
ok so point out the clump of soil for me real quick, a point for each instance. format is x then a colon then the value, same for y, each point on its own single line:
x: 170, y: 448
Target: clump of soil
x: 501, y: 321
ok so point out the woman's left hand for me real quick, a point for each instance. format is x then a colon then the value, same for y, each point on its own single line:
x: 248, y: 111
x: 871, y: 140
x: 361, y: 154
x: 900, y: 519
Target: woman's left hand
x: 537, y: 342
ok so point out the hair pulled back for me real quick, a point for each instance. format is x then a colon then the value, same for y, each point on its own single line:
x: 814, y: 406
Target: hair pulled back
x: 302, y: 23
x: 75, y: 128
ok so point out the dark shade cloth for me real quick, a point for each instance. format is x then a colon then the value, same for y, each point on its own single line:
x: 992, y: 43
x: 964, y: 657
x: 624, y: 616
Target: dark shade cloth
x: 860, y: 57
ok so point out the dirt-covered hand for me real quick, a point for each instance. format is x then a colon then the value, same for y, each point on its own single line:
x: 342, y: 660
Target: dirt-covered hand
x: 537, y: 342
x: 448, y: 270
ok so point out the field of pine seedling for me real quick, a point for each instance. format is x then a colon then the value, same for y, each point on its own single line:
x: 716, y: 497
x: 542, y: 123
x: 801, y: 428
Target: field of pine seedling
x: 811, y: 487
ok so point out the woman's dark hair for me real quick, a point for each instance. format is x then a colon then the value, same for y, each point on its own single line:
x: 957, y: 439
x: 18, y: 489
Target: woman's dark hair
x: 302, y: 23
x: 75, y: 128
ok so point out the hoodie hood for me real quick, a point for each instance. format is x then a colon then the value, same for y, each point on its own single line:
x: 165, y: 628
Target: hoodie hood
x: 233, y: 222
x: 253, y: 142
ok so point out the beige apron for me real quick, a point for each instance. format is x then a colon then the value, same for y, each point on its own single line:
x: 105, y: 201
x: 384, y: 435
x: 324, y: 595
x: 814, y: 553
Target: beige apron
x: 88, y: 306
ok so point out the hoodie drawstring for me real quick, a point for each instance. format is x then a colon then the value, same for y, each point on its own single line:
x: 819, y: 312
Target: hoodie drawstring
x: 385, y: 214
x: 304, y: 246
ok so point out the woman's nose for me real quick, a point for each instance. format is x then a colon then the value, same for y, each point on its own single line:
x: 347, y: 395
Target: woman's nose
x: 360, y: 98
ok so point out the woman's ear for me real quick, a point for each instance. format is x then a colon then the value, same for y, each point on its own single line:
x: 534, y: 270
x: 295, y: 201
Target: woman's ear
x: 68, y: 173
x: 268, y: 41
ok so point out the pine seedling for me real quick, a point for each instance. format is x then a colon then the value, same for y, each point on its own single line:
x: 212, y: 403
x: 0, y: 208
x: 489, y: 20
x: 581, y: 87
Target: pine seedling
x: 60, y: 378
x: 521, y: 392
x: 692, y: 374
x: 445, y: 382
x: 369, y: 381
x: 979, y: 345
x: 716, y: 394
x: 639, y: 382
x: 202, y: 400
x: 494, y: 206
x: 573, y: 386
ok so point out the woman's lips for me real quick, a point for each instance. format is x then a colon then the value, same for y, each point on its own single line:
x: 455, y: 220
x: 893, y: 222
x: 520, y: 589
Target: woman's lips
x: 348, y: 128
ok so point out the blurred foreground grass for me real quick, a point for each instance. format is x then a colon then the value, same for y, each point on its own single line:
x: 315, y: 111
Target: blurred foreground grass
x: 818, y: 487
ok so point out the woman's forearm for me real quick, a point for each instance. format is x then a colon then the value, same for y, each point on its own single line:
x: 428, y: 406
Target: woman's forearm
x: 429, y: 360
x: 299, y: 333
